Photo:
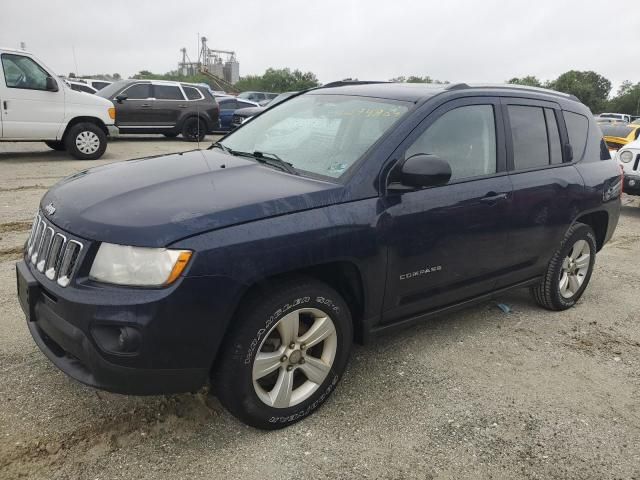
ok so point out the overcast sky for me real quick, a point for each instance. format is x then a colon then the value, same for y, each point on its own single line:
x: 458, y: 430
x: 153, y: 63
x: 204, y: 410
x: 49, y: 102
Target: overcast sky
x: 456, y: 40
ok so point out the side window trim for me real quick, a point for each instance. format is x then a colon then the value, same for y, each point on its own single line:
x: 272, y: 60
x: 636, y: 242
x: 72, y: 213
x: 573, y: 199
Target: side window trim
x: 434, y: 114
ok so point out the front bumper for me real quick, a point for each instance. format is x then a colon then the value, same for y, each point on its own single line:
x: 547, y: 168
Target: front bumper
x: 179, y: 331
x: 113, y: 131
x: 632, y: 184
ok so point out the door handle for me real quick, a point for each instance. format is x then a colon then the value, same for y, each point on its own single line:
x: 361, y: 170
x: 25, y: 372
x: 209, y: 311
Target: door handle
x: 182, y: 106
x: 5, y: 105
x: 145, y: 105
x: 493, y: 198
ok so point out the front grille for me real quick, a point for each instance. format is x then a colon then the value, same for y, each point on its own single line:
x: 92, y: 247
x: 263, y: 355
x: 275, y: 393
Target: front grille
x: 52, y: 253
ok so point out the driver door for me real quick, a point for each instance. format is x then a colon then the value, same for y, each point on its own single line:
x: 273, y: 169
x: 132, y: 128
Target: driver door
x: 447, y: 243
x: 29, y: 110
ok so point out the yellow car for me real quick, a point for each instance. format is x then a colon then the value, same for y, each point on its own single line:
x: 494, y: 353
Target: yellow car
x: 617, y: 136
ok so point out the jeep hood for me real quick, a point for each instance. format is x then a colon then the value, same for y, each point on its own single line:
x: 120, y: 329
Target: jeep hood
x: 156, y: 201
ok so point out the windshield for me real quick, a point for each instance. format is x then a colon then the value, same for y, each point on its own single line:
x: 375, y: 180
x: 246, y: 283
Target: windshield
x: 616, y: 130
x: 110, y: 90
x: 321, y: 134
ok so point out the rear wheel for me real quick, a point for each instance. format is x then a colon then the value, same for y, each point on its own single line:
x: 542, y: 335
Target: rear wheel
x: 569, y: 270
x: 57, y: 145
x: 85, y: 141
x: 194, y: 129
x: 285, y: 355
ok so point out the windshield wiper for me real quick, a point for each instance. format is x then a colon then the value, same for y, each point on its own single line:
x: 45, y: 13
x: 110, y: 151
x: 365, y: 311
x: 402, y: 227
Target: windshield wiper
x: 222, y: 147
x: 276, y: 161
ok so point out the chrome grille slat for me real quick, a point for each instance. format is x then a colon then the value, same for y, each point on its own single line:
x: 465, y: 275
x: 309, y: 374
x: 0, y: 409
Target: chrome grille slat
x: 51, y: 252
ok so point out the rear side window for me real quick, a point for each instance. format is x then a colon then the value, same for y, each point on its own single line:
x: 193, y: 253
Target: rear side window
x: 139, y: 91
x: 577, y: 128
x: 465, y: 137
x: 227, y: 104
x: 167, y: 92
x: 529, y: 134
x: 553, y: 134
x: 192, y: 93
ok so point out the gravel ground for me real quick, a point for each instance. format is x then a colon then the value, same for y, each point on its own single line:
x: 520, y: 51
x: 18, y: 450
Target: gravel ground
x: 477, y: 394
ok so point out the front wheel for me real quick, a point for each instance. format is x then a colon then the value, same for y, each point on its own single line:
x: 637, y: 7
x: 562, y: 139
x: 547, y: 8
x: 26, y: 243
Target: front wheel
x: 569, y: 270
x: 285, y: 355
x: 86, y: 141
x: 194, y: 129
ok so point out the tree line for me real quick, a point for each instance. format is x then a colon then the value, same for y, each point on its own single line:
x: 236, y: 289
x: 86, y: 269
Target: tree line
x: 593, y: 89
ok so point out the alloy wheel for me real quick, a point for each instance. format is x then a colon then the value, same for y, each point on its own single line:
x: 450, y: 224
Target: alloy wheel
x: 295, y: 358
x: 575, y: 268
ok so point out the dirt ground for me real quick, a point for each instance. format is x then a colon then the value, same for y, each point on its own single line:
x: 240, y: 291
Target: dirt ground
x: 478, y: 394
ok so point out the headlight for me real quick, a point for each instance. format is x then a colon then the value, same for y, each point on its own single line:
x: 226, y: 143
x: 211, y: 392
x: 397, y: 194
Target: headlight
x: 626, y: 156
x: 246, y: 119
x: 149, y: 267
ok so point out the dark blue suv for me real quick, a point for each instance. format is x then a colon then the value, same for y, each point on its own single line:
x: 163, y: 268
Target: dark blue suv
x: 335, y: 216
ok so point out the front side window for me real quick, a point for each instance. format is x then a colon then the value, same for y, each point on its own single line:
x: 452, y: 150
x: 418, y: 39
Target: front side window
x: 167, y: 92
x: 320, y: 134
x: 139, y: 91
x: 465, y: 137
x: 529, y: 135
x: 23, y: 72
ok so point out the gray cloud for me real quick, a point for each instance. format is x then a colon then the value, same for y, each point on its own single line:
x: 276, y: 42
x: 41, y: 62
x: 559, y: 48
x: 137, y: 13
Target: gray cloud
x: 456, y: 40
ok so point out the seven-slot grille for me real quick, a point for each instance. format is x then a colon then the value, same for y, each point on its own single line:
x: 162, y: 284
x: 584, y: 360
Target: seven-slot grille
x: 52, y: 253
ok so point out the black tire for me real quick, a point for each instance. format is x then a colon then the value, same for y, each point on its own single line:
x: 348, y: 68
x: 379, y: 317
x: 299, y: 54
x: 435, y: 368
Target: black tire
x: 548, y: 292
x: 56, y: 145
x: 232, y: 377
x: 194, y: 129
x: 170, y: 135
x: 94, y: 132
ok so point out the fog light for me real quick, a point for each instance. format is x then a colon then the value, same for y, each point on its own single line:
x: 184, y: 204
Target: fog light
x: 128, y: 340
x: 632, y: 183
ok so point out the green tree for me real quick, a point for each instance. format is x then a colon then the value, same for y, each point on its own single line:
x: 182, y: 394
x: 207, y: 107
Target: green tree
x: 627, y: 99
x: 529, y: 80
x: 416, y: 79
x: 278, y: 80
x: 590, y: 87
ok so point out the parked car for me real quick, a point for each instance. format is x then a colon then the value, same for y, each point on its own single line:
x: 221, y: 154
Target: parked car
x: 38, y: 106
x: 629, y: 158
x: 157, y: 106
x: 610, y: 121
x: 618, y: 135
x: 243, y: 114
x: 257, y: 96
x: 228, y: 105
x: 341, y: 214
x: 81, y: 87
x: 95, y: 83
x: 620, y: 116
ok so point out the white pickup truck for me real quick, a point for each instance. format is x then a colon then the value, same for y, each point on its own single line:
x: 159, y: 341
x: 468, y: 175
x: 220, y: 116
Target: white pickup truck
x: 36, y: 105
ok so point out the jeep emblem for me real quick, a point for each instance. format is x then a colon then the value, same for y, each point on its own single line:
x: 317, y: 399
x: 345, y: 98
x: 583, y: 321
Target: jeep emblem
x: 50, y: 209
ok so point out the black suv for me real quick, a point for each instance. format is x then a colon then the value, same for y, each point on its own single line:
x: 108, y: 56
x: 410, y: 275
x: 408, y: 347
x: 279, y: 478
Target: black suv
x: 339, y: 214
x: 170, y: 108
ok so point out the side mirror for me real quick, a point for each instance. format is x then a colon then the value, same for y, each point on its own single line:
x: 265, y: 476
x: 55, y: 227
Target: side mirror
x: 121, y: 98
x: 423, y: 170
x: 51, y: 85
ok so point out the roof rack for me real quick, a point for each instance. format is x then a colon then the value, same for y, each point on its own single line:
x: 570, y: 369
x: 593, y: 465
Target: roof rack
x: 511, y: 86
x: 348, y: 81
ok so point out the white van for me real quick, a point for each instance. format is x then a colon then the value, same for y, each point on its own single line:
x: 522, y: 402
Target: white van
x: 36, y: 105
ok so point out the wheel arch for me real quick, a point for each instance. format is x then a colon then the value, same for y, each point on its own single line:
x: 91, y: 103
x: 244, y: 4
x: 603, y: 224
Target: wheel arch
x: 599, y: 222
x: 76, y: 120
x: 191, y: 115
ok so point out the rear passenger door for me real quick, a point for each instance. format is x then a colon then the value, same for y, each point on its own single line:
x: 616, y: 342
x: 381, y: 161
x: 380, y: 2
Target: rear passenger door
x: 168, y: 105
x: 546, y: 185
